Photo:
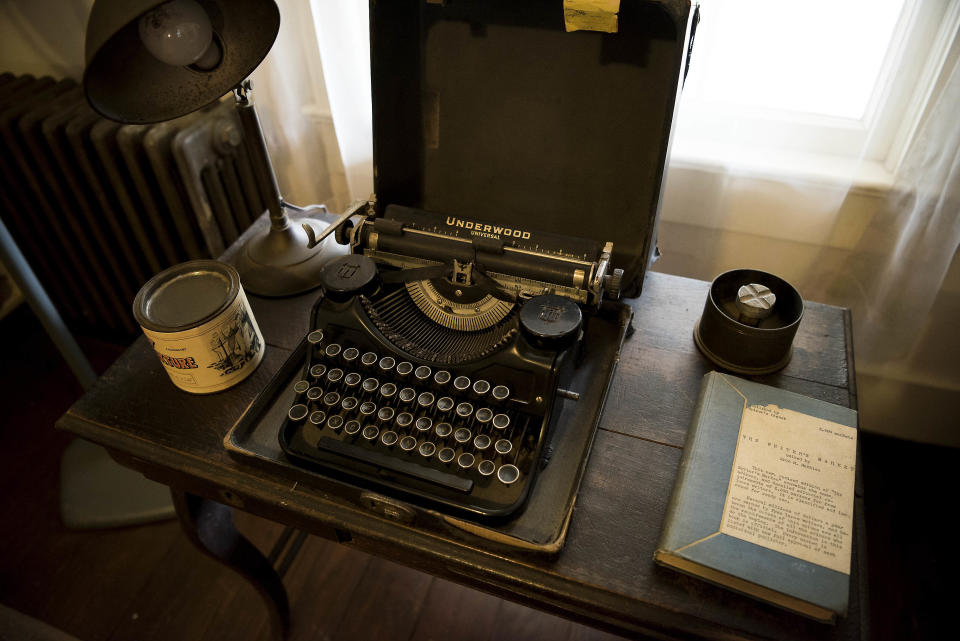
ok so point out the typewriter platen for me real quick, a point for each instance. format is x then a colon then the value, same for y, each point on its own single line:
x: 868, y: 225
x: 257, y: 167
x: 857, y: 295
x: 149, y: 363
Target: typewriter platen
x: 439, y: 356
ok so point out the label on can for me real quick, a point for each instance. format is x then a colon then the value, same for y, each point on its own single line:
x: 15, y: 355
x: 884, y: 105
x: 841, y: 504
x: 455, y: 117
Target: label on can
x: 214, y: 355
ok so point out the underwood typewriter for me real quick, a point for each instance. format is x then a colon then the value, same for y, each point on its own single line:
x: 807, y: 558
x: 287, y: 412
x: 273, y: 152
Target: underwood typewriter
x: 438, y: 357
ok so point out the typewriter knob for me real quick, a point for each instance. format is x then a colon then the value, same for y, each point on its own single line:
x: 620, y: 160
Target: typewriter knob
x: 550, y: 321
x: 612, y: 283
x: 349, y: 276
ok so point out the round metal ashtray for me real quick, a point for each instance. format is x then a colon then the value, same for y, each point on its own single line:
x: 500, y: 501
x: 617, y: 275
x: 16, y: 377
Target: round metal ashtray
x: 749, y: 320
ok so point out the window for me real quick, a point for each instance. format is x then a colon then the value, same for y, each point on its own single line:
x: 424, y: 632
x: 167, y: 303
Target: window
x: 813, y: 88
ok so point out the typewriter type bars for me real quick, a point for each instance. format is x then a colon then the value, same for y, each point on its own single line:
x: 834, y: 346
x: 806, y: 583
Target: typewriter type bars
x: 424, y: 379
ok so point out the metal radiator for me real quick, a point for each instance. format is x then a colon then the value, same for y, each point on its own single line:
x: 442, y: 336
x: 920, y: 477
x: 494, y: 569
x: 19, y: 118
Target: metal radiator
x: 98, y: 207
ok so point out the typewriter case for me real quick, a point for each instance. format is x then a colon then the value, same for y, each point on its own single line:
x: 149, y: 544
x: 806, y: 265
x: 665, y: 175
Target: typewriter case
x: 492, y: 111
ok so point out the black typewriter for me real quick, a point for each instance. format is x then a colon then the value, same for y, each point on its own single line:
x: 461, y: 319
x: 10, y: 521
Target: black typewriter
x: 439, y: 354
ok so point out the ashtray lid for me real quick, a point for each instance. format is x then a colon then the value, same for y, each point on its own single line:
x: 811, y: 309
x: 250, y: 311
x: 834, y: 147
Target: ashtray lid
x: 491, y: 110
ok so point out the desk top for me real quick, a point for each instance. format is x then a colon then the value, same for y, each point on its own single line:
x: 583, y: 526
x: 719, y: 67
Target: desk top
x: 605, y: 574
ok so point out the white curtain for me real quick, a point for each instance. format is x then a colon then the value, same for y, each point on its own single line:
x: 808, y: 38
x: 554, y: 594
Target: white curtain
x: 918, y: 234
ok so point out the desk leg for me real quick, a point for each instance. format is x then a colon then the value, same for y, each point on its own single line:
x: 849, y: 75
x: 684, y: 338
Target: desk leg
x: 210, y: 527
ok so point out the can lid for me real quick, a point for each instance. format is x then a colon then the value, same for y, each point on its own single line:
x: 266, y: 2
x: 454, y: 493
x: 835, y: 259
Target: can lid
x: 186, y: 295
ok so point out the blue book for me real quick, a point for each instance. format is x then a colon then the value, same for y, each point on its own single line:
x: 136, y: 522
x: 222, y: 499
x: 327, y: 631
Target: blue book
x: 763, y: 501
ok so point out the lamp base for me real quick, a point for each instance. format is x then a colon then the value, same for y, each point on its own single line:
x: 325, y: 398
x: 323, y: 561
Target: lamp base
x: 278, y: 263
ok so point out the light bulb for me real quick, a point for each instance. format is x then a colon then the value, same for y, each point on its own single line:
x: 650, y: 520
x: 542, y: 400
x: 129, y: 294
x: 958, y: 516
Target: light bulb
x: 179, y: 33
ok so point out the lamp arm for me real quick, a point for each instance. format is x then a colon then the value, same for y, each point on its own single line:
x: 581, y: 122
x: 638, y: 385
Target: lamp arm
x: 259, y: 156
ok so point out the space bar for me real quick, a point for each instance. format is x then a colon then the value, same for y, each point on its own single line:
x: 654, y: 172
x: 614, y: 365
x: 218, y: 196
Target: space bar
x: 396, y: 465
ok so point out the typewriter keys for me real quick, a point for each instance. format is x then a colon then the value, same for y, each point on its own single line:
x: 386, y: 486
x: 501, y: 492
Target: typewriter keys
x: 351, y: 427
x: 501, y: 393
x: 466, y: 460
x: 367, y: 408
x: 462, y: 435
x: 388, y: 390
x: 315, y: 337
x: 404, y: 419
x: 407, y: 394
x: 481, y: 387
x: 301, y: 386
x: 385, y: 414
x: 482, y: 442
x: 442, y: 377
x: 422, y: 373
x: 501, y: 421
x: 352, y: 379
x: 335, y: 422
x: 425, y: 400
x: 404, y: 368
x: 332, y: 350
x: 446, y: 455
x: 298, y: 412
x: 370, y: 432
x: 503, y: 446
x: 445, y: 404
x: 389, y: 438
x: 331, y: 399
x: 443, y: 430
x: 350, y: 354
x: 387, y: 363
x: 427, y: 449
x: 461, y: 383
x: 318, y: 370
x: 484, y: 414
x: 369, y: 359
x: 335, y: 375
x: 318, y: 417
x: 486, y: 467
x: 464, y: 410
x: 349, y: 404
x: 407, y: 443
x: 508, y: 474
x: 423, y: 424
x: 314, y: 393
x: 370, y: 384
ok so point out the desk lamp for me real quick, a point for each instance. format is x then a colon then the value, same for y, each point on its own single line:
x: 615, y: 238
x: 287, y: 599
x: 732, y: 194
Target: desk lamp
x: 149, y: 61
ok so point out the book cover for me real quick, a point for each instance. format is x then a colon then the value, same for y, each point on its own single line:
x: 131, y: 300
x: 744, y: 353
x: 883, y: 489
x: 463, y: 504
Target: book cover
x: 763, y: 501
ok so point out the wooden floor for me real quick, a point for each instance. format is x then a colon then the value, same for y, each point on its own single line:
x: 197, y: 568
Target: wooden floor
x: 148, y: 583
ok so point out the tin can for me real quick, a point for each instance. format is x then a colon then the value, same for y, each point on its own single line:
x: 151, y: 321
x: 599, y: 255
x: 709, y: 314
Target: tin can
x: 199, y: 323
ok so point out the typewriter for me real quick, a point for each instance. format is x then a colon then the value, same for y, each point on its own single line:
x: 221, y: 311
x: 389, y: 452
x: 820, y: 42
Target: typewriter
x: 439, y: 354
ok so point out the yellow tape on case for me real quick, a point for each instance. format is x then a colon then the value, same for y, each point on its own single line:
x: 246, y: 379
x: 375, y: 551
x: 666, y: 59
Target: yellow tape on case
x: 591, y: 15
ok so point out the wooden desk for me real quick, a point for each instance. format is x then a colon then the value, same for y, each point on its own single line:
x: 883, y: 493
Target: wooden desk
x: 605, y: 575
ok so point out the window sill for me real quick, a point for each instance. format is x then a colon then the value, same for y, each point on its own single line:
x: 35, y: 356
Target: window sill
x: 783, y: 166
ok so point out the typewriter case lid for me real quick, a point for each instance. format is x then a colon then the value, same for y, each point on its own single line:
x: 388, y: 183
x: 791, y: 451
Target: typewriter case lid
x: 491, y: 110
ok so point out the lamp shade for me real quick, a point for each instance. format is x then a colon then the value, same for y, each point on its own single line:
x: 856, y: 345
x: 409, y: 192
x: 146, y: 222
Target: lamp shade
x: 123, y: 81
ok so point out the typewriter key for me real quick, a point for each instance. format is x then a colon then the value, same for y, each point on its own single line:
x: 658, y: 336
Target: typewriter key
x: 422, y: 373
x: 387, y: 363
x: 349, y: 404
x: 301, y: 386
x: 369, y: 359
x: 482, y: 442
x: 484, y: 414
x: 407, y: 394
x: 442, y: 377
x: 503, y: 446
x: 350, y: 354
x: 481, y: 387
x: 318, y: 417
x: 464, y: 410
x: 332, y: 350
x: 445, y: 404
x: 486, y: 467
x: 351, y: 427
x: 446, y: 455
x: 385, y: 414
x: 315, y: 337
x: 404, y: 419
x: 318, y: 370
x: 466, y: 460
x: 335, y: 422
x: 501, y: 393
x: 298, y: 412
x: 367, y: 408
x: 389, y: 438
x: 501, y: 421
x: 331, y: 399
x: 425, y: 400
x: 427, y: 449
x: 404, y: 368
x: 443, y: 429
x: 461, y: 383
x: 388, y: 390
x: 370, y: 432
x: 407, y: 443
x: 352, y: 379
x: 314, y: 393
x: 423, y: 424
x: 508, y: 474
x: 462, y: 435
x: 370, y: 384
x: 335, y: 375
